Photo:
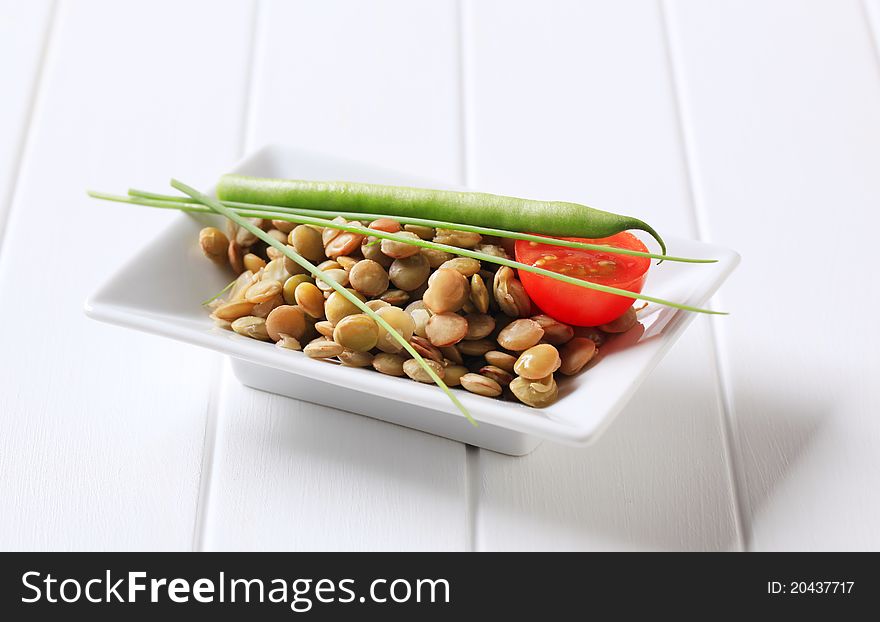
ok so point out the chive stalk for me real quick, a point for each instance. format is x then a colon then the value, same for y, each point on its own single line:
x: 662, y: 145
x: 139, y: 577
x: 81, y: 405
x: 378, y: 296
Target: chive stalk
x: 323, y: 222
x: 220, y: 293
x: 406, y: 220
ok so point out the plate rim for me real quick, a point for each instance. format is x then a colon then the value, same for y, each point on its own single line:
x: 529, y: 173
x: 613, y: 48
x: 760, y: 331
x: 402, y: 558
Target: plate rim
x: 493, y: 412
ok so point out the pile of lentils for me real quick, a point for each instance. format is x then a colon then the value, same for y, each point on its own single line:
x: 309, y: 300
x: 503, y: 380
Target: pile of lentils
x: 472, y: 322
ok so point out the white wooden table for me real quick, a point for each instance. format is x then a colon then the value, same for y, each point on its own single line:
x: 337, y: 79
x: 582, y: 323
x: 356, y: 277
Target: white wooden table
x: 755, y: 124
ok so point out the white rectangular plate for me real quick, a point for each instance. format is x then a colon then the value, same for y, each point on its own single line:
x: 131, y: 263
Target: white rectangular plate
x: 172, y: 278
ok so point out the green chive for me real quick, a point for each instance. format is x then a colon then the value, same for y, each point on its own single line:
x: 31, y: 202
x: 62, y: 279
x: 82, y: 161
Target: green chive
x: 323, y: 222
x: 220, y: 293
x: 502, y: 233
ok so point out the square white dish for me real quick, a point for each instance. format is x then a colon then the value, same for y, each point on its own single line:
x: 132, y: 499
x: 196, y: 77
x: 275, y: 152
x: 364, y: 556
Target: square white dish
x: 174, y: 278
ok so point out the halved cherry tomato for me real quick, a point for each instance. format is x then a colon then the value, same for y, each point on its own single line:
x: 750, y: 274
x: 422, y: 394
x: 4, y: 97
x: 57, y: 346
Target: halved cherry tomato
x: 577, y: 305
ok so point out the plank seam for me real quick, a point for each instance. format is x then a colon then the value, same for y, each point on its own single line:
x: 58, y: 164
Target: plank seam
x: 247, y: 127
x: 472, y: 463
x: 699, y: 219
x: 473, y: 477
x: 214, y: 395
x: 871, y: 24
x: 207, y: 469
x: 464, y: 76
x: 34, y: 97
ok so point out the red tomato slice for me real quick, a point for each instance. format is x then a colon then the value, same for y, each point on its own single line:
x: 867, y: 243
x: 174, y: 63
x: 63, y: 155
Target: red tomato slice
x: 577, y: 305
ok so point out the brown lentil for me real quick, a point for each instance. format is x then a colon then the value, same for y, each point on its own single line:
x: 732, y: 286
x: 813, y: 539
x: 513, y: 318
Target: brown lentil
x: 328, y: 234
x: 374, y: 252
x: 435, y: 257
x: 481, y: 385
x: 287, y: 320
x: 343, y: 244
x: 425, y: 233
x: 375, y: 305
x: 461, y: 239
x: 502, y: 377
x: 253, y: 262
x: 500, y: 359
x: 235, y: 255
x: 289, y: 343
x: 401, y: 321
x: 322, y: 348
x: 479, y: 325
x: 492, y: 249
x: 307, y: 242
x: 447, y: 291
x: 389, y: 364
x: 335, y: 274
x: 479, y: 295
x: 426, y: 348
x: 621, y: 324
x: 520, y: 335
x: 478, y: 347
x: 413, y: 369
x: 245, y: 237
x: 263, y: 309
x: 445, y: 329
x: 510, y: 294
x: 465, y: 265
x: 452, y: 354
x: 338, y: 307
x: 576, y: 354
x: 385, y: 224
x: 284, y: 226
x: 409, y: 273
x: 454, y: 374
x: 555, y: 332
x: 242, y: 284
x: 400, y: 250
x: 309, y: 297
x: 250, y: 326
x: 261, y: 291
x: 420, y: 320
x: 352, y: 358
x: 535, y: 393
x: 214, y: 244
x: 278, y: 236
x: 275, y: 271
x: 324, y: 328
x: 395, y: 297
x: 346, y: 262
x: 592, y: 333
x: 291, y: 266
x: 329, y: 264
x: 288, y: 290
x: 538, y: 362
x: 234, y: 310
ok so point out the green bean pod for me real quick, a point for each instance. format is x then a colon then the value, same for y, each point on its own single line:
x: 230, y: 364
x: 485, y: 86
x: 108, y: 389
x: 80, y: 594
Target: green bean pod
x: 555, y: 218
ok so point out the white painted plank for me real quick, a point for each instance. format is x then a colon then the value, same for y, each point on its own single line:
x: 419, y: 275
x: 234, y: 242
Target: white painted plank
x: 785, y: 132
x: 572, y: 100
x: 378, y: 82
x: 23, y: 31
x: 372, y: 81
x: 103, y: 428
x: 290, y: 475
x: 654, y: 481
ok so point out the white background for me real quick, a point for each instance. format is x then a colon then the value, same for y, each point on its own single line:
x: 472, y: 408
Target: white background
x: 751, y: 123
